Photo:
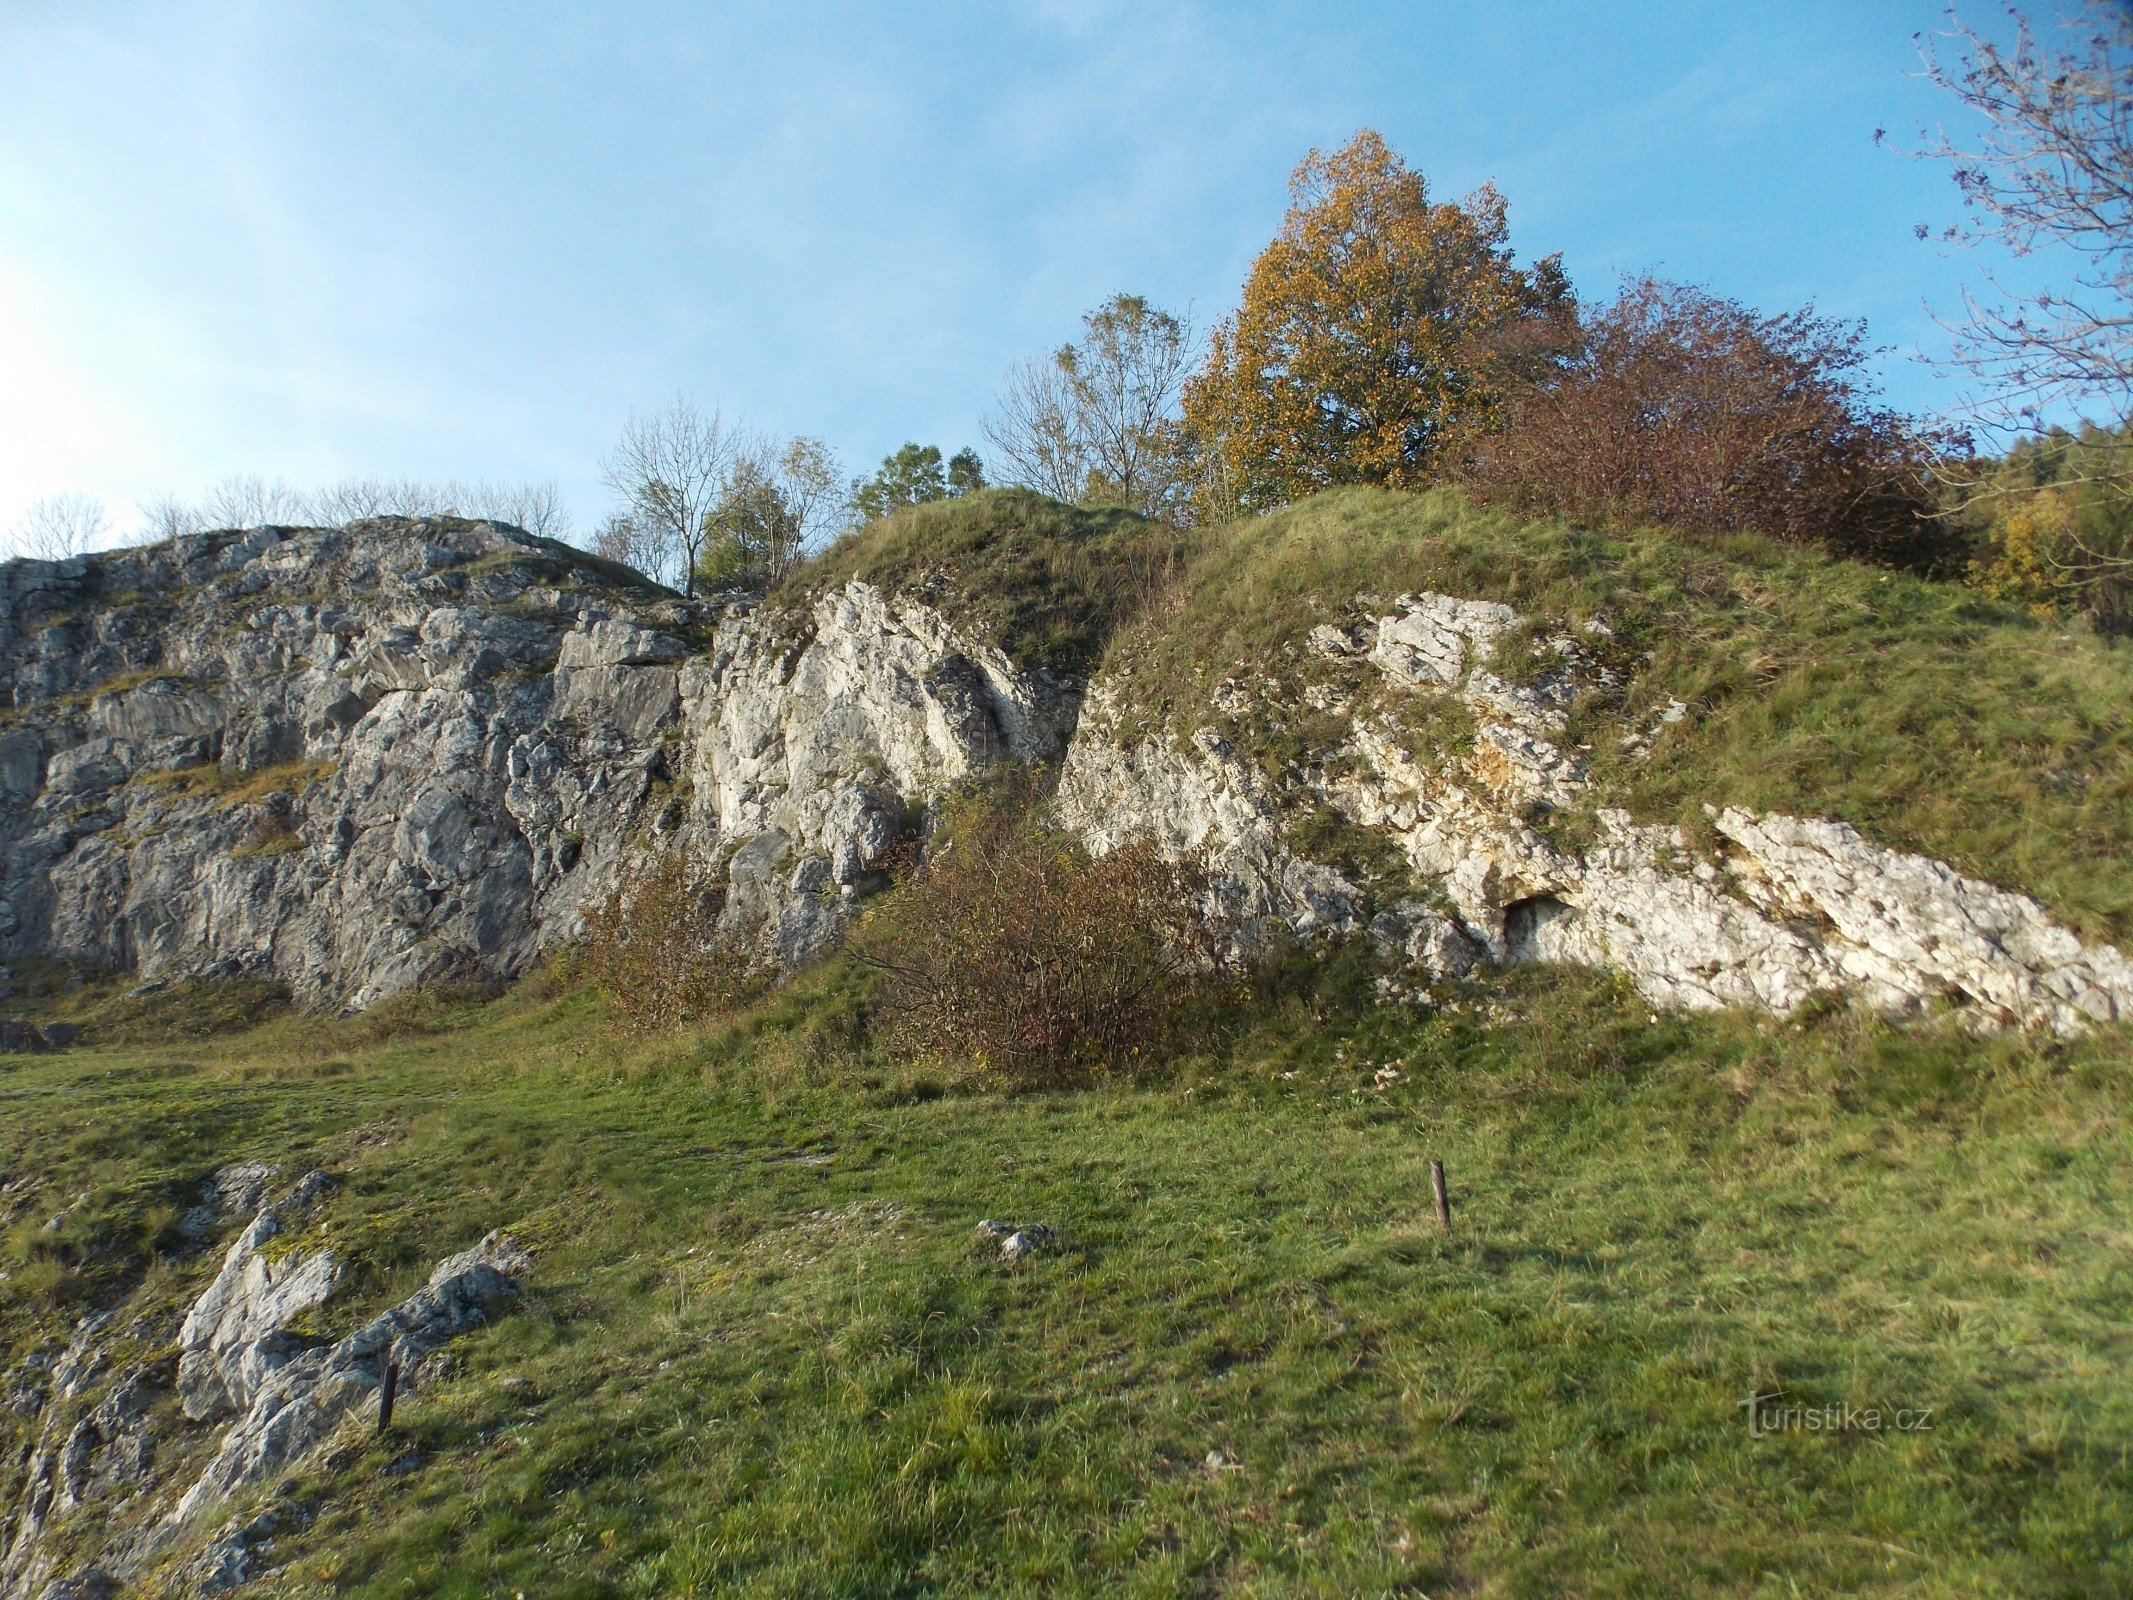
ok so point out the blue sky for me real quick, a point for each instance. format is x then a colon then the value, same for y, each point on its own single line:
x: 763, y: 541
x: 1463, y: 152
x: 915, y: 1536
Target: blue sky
x: 460, y: 241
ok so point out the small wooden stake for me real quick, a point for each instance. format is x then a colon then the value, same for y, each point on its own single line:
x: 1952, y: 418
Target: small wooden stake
x: 385, y: 1394
x: 1444, y: 1196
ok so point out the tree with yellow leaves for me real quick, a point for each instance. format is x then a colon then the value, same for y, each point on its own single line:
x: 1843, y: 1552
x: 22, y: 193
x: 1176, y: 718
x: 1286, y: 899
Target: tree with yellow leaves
x: 1375, y: 329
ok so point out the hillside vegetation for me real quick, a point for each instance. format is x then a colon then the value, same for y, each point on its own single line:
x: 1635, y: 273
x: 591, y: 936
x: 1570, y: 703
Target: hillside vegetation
x: 1046, y: 582
x: 1931, y: 717
x: 763, y: 1350
x: 763, y: 1354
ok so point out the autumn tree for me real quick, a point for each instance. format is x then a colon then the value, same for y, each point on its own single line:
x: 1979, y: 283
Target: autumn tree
x: 2048, y: 172
x: 1376, y: 329
x: 1097, y: 422
x: 2050, y: 168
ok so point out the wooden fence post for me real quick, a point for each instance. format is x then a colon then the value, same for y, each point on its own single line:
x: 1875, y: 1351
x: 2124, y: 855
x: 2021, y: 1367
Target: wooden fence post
x: 385, y: 1392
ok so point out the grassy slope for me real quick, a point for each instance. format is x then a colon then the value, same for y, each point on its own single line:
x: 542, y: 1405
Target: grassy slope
x: 1047, y: 582
x: 741, y: 1373
x: 738, y: 1373
x: 1934, y: 720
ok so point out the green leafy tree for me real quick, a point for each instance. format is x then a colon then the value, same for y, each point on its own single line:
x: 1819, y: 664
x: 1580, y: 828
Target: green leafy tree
x: 777, y: 502
x: 912, y: 476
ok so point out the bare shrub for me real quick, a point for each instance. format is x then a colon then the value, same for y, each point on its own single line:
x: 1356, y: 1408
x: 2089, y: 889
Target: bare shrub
x: 655, y: 947
x: 60, y: 526
x: 2047, y: 170
x: 1012, y: 949
x: 1686, y: 409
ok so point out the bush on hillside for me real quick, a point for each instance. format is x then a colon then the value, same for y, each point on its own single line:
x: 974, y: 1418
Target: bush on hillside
x: 1685, y: 409
x: 655, y: 948
x: 2055, y: 517
x: 1012, y: 949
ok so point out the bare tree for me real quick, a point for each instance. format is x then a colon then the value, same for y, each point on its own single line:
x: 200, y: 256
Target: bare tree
x: 240, y: 501
x: 671, y: 469
x: 620, y: 539
x: 245, y: 502
x: 1097, y: 421
x: 355, y: 499
x: 2053, y: 166
x: 536, y: 507
x: 1035, y: 427
x: 60, y: 526
x: 165, y: 516
x: 812, y: 481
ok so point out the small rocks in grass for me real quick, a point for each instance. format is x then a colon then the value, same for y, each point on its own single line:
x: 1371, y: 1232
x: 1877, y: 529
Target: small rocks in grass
x: 1016, y: 1242
x: 19, y: 1037
x: 1220, y: 1461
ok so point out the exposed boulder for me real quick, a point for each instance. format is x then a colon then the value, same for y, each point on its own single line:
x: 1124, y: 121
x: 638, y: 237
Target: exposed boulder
x: 98, y: 1439
x: 297, y: 1403
x: 235, y: 1335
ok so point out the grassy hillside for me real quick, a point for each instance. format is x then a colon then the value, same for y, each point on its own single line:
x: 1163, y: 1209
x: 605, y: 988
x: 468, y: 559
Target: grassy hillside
x: 760, y: 1355
x: 1048, y: 583
x: 763, y: 1354
x: 1935, y: 720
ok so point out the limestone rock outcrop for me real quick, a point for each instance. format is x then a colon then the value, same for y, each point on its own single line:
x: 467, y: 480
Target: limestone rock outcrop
x: 363, y: 759
x: 815, y: 743
x: 110, y: 1442
x: 1791, y: 909
x: 298, y: 1402
x: 235, y: 1334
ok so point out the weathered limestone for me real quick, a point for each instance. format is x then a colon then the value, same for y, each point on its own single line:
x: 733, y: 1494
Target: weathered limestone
x: 234, y: 1336
x: 1794, y: 908
x: 364, y: 759
x: 297, y: 1403
x: 814, y: 744
x: 236, y: 1359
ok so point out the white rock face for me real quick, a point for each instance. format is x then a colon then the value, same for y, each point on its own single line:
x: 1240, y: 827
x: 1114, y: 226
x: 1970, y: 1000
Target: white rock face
x: 302, y: 1400
x: 1796, y: 907
x: 811, y: 753
x: 365, y: 759
x: 232, y: 1337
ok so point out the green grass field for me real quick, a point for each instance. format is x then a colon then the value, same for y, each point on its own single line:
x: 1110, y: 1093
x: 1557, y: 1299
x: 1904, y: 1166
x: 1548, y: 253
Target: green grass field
x: 762, y: 1356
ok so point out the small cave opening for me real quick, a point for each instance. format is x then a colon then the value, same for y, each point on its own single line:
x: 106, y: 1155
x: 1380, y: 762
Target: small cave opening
x: 1525, y: 928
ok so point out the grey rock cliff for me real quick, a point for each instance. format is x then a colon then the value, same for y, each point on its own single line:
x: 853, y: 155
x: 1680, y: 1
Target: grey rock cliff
x: 358, y: 760
x: 364, y: 759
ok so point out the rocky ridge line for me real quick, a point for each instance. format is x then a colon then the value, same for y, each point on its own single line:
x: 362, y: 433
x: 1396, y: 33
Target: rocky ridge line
x: 359, y: 760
